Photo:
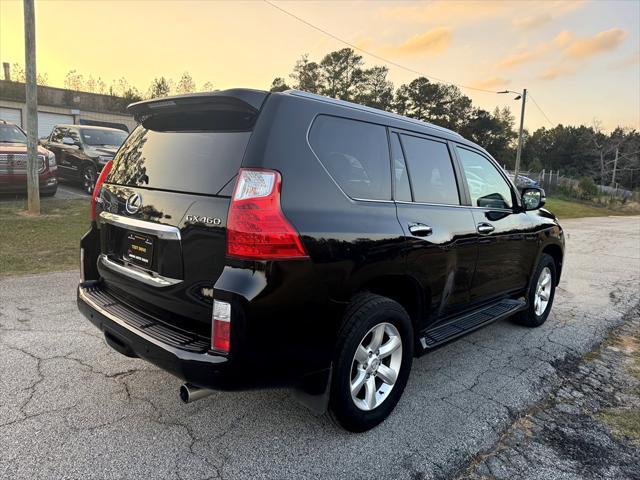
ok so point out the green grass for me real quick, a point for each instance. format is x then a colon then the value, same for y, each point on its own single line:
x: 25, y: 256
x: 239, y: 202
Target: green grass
x: 50, y: 242
x: 563, y: 208
x: 41, y: 244
x: 623, y: 422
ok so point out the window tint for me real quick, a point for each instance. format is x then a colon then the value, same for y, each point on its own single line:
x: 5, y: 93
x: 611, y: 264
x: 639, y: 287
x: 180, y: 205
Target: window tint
x: 430, y: 170
x: 401, y: 176
x: 356, y: 154
x: 486, y: 186
x: 195, y: 162
x: 11, y: 134
x: 95, y: 137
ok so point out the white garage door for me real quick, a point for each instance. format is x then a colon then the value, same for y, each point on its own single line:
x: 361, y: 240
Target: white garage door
x: 46, y: 122
x: 12, y: 115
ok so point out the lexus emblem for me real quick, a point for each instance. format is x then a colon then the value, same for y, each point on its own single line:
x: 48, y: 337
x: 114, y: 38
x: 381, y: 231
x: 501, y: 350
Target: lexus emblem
x: 134, y: 202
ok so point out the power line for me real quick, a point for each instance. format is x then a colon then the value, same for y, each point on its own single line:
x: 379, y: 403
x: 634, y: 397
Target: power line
x: 541, y: 111
x: 371, y: 54
x: 390, y: 62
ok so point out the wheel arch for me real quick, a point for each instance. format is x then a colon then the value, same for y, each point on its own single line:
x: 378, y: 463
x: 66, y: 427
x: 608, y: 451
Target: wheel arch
x: 403, y: 289
x: 555, y: 252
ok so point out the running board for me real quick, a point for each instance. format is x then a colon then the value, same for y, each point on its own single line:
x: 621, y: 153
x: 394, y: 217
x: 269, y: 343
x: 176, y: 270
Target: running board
x: 439, y: 334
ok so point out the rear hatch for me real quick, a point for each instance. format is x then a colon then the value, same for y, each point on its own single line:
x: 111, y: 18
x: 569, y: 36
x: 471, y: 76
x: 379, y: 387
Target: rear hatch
x: 162, y: 211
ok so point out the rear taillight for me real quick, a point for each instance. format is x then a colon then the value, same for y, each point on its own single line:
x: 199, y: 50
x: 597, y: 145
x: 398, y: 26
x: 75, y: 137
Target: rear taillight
x: 256, y: 227
x: 221, y: 326
x: 96, y: 190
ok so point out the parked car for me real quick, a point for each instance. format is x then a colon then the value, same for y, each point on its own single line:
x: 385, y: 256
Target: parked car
x: 244, y: 239
x: 523, y: 181
x: 82, y: 151
x: 13, y: 163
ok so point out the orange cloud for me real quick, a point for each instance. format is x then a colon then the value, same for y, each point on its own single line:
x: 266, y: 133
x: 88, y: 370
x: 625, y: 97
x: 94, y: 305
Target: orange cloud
x: 516, y: 59
x: 430, y: 42
x: 561, y: 40
x: 535, y: 21
x: 459, y: 12
x: 552, y: 73
x: 491, y: 83
x: 599, y: 43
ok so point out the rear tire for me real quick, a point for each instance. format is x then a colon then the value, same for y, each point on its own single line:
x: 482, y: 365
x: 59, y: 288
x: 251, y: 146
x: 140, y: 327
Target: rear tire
x: 540, y: 295
x: 372, y: 362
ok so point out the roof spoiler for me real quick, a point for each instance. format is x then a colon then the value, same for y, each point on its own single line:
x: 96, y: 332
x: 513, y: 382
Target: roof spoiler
x: 238, y: 99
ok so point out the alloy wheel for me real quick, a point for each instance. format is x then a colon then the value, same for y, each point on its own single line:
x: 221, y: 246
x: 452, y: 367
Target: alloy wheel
x: 543, y: 291
x: 89, y: 177
x: 375, y: 366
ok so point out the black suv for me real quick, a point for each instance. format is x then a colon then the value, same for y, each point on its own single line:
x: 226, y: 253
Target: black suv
x: 83, y: 151
x: 245, y: 239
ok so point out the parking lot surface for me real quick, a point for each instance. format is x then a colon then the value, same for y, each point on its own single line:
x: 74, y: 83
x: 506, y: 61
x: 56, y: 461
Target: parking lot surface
x: 71, y: 407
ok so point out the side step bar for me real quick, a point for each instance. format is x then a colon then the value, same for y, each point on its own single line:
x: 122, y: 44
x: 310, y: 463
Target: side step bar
x: 442, y: 333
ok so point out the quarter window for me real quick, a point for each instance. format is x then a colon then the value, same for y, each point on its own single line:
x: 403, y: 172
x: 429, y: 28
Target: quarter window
x: 430, y: 171
x: 488, y: 189
x: 356, y: 155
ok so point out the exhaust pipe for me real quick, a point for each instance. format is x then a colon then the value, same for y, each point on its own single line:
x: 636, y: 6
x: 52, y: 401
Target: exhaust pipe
x: 190, y: 393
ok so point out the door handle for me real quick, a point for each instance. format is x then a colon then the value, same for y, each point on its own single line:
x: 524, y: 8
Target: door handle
x: 485, y: 228
x: 420, y: 229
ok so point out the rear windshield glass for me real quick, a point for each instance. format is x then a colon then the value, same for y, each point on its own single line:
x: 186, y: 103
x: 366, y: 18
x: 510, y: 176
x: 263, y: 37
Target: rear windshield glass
x: 185, y: 161
x: 356, y: 154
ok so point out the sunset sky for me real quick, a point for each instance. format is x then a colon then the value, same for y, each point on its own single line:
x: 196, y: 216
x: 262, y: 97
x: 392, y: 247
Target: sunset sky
x: 580, y: 60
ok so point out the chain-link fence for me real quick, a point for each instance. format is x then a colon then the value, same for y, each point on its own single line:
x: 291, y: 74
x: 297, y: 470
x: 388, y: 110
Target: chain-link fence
x: 554, y: 183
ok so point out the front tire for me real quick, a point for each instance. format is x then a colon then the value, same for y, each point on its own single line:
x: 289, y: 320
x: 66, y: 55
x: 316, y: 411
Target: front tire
x: 372, y: 362
x: 89, y: 175
x: 540, y: 295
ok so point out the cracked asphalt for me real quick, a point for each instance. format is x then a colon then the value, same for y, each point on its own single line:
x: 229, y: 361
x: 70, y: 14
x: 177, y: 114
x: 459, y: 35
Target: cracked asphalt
x: 567, y: 435
x: 70, y: 407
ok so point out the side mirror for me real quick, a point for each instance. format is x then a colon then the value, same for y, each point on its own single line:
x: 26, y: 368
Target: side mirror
x: 533, y: 198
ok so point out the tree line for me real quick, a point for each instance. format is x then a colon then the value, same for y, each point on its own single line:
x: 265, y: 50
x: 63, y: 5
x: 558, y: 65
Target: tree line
x: 576, y: 151
x: 159, y: 87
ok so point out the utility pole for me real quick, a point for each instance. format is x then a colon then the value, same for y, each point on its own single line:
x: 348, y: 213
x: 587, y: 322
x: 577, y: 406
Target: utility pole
x: 519, y: 96
x: 33, y: 186
x: 520, y: 135
x: 615, y: 167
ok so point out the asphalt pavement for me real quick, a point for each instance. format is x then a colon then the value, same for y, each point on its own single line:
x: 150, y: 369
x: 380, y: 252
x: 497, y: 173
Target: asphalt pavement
x: 70, y: 407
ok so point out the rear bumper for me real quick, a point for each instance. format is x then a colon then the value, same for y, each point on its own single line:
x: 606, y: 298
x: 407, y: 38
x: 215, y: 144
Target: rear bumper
x: 202, y: 368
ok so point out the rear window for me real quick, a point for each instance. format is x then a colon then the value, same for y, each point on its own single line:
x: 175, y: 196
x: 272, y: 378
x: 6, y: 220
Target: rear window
x: 197, y: 160
x: 356, y: 155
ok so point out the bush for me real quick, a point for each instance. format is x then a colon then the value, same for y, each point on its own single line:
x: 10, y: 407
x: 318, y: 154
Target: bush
x: 588, y: 188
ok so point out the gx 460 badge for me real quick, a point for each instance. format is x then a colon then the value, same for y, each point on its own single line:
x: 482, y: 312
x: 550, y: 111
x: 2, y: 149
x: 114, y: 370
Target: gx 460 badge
x: 204, y: 220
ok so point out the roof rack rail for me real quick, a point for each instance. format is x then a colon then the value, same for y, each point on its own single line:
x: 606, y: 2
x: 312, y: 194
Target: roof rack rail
x: 376, y: 111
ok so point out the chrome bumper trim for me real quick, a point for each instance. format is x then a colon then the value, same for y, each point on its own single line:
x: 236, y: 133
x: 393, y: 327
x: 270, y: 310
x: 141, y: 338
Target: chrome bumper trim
x: 166, y: 232
x: 148, y: 278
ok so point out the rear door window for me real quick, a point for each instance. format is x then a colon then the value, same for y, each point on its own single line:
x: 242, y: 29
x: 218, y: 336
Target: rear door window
x: 430, y: 171
x: 356, y: 155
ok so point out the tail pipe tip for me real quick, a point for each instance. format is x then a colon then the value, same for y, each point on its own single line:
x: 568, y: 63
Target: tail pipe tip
x: 190, y: 393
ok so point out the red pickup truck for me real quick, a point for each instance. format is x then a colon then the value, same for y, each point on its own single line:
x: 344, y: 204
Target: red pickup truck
x: 13, y: 163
